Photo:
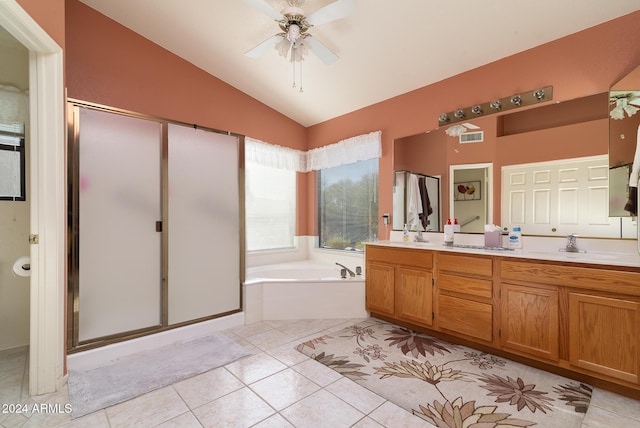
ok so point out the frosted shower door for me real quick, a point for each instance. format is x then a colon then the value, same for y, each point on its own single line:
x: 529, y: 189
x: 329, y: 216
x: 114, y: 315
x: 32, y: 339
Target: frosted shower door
x: 203, y: 224
x: 119, y: 204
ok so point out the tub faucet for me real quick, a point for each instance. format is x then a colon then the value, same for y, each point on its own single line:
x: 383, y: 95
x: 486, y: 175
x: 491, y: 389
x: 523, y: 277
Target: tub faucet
x: 352, y: 274
x: 572, y: 247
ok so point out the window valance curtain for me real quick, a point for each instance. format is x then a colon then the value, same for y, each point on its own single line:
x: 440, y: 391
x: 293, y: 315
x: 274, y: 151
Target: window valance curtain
x: 351, y: 150
x: 13, y: 105
x: 274, y: 156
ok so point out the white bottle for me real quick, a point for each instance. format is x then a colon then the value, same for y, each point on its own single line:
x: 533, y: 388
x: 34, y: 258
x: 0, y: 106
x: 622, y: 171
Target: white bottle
x: 405, y: 233
x: 449, y: 230
x: 515, y: 238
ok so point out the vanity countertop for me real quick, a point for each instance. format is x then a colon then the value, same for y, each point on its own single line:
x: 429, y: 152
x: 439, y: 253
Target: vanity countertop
x: 590, y: 257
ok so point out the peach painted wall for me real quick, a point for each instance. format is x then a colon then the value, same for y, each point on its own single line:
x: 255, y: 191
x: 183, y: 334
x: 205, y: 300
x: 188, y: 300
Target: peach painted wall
x: 581, y: 64
x: 49, y: 15
x: 108, y: 64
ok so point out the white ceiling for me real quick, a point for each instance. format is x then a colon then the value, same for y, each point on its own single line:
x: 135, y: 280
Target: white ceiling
x: 389, y: 47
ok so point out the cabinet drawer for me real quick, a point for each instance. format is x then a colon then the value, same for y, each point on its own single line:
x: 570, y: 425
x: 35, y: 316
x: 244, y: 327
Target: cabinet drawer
x: 466, y: 317
x: 466, y: 264
x: 572, y: 276
x: 461, y: 284
x: 400, y: 256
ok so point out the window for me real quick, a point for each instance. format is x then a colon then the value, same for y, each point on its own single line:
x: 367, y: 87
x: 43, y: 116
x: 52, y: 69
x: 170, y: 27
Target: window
x: 270, y: 201
x: 12, y: 162
x: 348, y: 205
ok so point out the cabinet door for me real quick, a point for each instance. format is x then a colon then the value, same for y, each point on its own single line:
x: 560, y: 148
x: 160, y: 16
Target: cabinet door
x: 414, y: 296
x: 530, y: 320
x: 379, y: 288
x: 604, y: 335
x: 467, y: 317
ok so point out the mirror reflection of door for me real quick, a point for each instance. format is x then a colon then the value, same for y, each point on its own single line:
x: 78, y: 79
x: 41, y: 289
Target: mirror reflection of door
x: 470, y: 196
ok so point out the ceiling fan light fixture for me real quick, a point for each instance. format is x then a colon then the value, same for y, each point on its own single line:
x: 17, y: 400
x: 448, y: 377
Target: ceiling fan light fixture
x: 293, y: 33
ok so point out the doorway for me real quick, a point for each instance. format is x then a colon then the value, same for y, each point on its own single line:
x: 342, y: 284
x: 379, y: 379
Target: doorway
x: 47, y: 231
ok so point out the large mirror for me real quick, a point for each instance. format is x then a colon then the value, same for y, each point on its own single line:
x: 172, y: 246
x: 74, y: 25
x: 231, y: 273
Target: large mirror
x: 624, y: 150
x: 551, y: 132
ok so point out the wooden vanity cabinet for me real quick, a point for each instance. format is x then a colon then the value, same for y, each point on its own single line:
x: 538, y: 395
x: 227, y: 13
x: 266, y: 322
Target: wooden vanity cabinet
x: 582, y: 318
x: 600, y: 328
x: 465, y: 296
x: 400, y: 284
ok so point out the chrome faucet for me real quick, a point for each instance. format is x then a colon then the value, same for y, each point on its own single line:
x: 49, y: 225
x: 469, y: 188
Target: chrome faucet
x: 352, y: 274
x: 571, y: 247
x: 419, y: 237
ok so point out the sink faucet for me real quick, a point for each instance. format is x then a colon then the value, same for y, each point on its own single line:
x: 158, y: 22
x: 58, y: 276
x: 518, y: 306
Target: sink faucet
x: 571, y: 247
x: 419, y: 237
x: 352, y: 274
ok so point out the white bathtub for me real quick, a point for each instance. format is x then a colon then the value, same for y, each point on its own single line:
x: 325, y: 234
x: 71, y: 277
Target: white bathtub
x: 302, y: 290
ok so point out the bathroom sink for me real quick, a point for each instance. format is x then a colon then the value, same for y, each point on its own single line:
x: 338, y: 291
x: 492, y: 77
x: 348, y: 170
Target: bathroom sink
x: 591, y: 256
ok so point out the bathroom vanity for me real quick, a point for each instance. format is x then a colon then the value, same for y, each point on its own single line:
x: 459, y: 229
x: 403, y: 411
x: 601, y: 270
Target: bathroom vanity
x: 575, y: 314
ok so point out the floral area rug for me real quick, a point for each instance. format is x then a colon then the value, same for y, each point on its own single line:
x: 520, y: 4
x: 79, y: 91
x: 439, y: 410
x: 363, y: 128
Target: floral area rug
x: 449, y: 385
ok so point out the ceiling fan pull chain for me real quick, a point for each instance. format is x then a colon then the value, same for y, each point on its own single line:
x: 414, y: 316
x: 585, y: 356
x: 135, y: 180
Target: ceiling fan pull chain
x: 300, y: 77
x: 293, y: 64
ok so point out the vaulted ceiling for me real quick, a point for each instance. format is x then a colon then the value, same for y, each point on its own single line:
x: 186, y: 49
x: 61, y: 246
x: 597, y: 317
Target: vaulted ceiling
x: 385, y: 49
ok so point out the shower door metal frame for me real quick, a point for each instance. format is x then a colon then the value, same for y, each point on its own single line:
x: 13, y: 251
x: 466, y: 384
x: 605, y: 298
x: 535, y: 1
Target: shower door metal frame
x: 73, y: 344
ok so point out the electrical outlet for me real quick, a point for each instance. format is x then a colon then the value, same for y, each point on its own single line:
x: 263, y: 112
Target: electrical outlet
x: 385, y: 219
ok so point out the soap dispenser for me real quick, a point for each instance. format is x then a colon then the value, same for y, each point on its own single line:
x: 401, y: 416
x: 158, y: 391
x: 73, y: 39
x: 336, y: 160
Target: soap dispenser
x: 448, y: 233
x: 405, y: 233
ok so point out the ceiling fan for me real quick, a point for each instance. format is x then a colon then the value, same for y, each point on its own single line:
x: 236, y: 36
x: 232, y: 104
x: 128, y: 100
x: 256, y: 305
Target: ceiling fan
x: 294, y: 40
x: 623, y: 102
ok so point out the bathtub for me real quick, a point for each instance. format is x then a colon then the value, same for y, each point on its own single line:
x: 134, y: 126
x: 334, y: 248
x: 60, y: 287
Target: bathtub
x: 302, y: 290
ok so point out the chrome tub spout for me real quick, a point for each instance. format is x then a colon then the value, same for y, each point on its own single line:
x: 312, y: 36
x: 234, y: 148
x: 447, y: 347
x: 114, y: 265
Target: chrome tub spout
x: 352, y: 274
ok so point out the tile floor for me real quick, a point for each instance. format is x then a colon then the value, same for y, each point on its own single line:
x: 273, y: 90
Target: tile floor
x: 276, y: 386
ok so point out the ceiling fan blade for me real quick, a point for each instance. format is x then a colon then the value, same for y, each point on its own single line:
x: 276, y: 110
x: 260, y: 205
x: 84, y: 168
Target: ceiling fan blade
x: 263, y: 47
x: 265, y: 8
x: 336, y: 10
x: 321, y: 51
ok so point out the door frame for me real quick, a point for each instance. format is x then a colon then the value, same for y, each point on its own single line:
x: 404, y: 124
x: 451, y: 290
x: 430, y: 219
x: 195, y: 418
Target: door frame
x: 48, y: 206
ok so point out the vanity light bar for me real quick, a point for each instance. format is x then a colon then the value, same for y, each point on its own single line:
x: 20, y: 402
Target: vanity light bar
x: 503, y: 104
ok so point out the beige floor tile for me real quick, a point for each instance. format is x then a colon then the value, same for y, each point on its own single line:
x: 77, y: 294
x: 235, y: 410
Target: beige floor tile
x: 255, y: 367
x: 287, y: 354
x: 13, y: 420
x: 358, y: 396
x: 601, y: 418
x: 275, y: 421
x: 242, y: 408
x: 367, y: 423
x: 251, y: 329
x: 149, y: 409
x: 615, y: 403
x: 185, y: 420
x: 390, y: 415
x: 206, y: 387
x: 322, y: 409
x: 269, y: 339
x: 284, y: 388
x: 317, y: 372
x: 94, y: 420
